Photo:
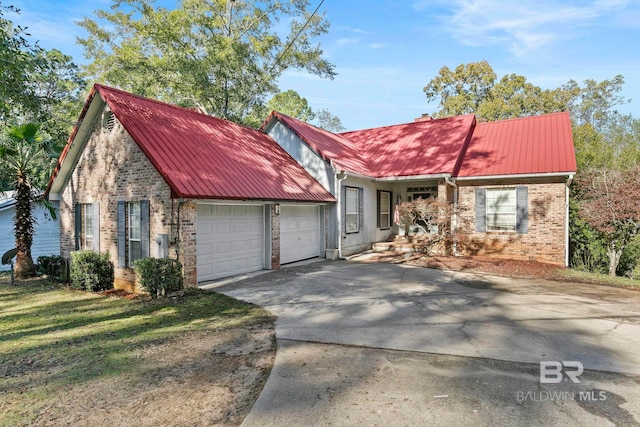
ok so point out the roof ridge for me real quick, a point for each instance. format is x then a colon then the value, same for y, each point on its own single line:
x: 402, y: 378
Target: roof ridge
x: 533, y: 116
x: 173, y: 106
x: 406, y: 123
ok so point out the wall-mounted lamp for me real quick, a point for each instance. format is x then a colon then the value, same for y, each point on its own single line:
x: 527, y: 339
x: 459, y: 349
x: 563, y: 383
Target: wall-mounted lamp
x: 277, y: 208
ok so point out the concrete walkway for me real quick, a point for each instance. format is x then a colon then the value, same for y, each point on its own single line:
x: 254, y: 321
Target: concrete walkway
x: 365, y: 343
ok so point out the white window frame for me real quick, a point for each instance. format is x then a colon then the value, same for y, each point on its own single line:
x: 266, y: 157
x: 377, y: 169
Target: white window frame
x: 352, y: 212
x: 87, y: 226
x: 134, y: 220
x: 415, y: 193
x: 385, y: 209
x: 501, y: 209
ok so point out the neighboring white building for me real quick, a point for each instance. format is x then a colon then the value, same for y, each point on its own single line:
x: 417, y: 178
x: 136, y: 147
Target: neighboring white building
x: 46, y: 239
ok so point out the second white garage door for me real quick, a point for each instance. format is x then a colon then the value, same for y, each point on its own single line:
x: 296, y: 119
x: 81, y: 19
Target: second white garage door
x: 299, y: 233
x: 230, y: 240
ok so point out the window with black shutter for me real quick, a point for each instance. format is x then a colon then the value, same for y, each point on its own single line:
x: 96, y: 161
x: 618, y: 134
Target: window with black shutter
x: 502, y: 209
x: 87, y: 226
x: 133, y: 232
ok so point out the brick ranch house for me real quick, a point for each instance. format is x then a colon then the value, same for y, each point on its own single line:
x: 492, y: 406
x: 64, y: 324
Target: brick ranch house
x: 139, y: 178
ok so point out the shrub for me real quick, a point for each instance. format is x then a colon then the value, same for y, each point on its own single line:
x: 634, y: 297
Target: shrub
x: 628, y: 265
x: 54, y: 266
x: 159, y: 276
x: 91, y: 271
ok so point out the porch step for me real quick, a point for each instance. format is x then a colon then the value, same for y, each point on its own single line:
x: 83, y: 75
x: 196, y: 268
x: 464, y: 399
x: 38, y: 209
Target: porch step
x: 393, y: 247
x: 404, y: 244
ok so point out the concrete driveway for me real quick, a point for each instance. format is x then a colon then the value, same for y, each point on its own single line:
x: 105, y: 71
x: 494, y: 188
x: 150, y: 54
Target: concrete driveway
x: 371, y: 343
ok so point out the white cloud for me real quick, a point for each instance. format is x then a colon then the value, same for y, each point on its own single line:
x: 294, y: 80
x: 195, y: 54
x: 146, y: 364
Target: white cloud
x: 347, y: 41
x: 377, y: 45
x: 353, y: 30
x: 524, y: 26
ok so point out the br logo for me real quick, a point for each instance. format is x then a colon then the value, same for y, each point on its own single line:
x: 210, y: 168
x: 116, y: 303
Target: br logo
x: 553, y: 372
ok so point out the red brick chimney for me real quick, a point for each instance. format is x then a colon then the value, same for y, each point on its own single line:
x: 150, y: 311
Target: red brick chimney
x: 424, y: 118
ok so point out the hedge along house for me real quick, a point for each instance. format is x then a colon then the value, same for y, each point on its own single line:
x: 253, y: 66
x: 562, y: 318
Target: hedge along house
x: 140, y: 178
x: 507, y: 181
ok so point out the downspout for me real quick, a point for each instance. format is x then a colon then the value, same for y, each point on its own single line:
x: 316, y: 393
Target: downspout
x: 566, y: 222
x: 454, y: 219
x: 338, y: 182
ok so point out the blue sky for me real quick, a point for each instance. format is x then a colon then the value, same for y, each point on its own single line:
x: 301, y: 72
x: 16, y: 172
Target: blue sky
x: 385, y: 52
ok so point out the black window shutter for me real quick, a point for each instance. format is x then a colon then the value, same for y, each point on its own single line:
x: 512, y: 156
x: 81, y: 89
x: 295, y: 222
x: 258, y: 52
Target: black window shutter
x: 378, y: 206
x: 144, y: 228
x: 481, y: 210
x: 78, y: 225
x: 95, y: 214
x: 122, y: 235
x: 522, y: 210
x: 361, y: 208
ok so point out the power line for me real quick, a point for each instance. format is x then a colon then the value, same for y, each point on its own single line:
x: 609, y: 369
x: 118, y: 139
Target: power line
x: 288, y: 46
x: 278, y: 59
x: 284, y: 51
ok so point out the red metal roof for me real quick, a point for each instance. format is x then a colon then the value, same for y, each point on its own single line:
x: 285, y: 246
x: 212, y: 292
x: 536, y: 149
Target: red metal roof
x: 531, y: 145
x: 336, y: 149
x: 205, y: 157
x: 419, y: 148
x: 430, y: 147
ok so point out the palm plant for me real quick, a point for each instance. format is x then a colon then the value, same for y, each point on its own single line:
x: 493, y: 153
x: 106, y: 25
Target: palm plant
x: 24, y: 152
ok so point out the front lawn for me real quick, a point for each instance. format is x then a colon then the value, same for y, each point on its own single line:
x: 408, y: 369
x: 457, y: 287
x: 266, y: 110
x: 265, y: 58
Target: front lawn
x: 598, y: 279
x: 75, y: 358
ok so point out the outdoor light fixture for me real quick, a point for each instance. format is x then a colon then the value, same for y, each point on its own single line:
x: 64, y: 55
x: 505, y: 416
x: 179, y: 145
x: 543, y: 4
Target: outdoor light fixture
x: 277, y: 208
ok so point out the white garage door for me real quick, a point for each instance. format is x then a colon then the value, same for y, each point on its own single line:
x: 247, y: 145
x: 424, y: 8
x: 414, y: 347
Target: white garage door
x: 230, y: 240
x: 299, y: 233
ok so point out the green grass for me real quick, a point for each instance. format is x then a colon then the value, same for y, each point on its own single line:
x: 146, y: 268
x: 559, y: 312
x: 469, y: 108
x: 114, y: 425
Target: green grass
x: 52, y: 338
x: 596, y: 278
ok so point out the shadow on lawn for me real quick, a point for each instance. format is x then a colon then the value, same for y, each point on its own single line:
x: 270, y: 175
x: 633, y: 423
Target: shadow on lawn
x: 51, y: 336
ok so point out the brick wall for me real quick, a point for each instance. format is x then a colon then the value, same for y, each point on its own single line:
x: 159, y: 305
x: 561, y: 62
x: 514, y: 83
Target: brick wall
x: 186, y: 242
x: 545, y: 240
x: 112, y: 168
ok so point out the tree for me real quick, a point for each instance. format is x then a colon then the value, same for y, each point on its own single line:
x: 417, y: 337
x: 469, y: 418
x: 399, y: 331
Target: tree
x: 223, y: 57
x: 463, y: 90
x: 291, y: 104
x: 60, y: 90
x: 24, y: 151
x: 327, y: 121
x: 434, y: 216
x: 594, y: 103
x: 37, y: 85
x: 472, y: 89
x: 17, y: 62
x: 609, y: 204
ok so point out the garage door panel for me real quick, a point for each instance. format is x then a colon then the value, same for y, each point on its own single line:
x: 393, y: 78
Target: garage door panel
x: 223, y: 210
x: 206, y: 250
x: 230, y: 240
x: 299, y: 233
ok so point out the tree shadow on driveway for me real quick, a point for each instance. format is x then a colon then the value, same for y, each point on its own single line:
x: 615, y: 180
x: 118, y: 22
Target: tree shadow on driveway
x: 380, y: 307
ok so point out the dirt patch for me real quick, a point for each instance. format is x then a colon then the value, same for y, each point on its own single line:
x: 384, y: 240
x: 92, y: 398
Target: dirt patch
x: 483, y: 265
x: 201, y: 378
x: 121, y: 293
x: 497, y: 267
